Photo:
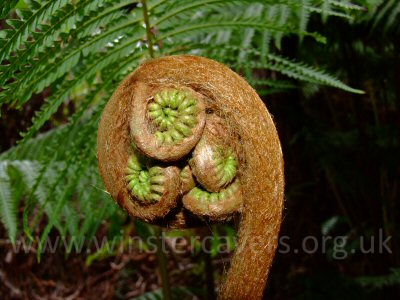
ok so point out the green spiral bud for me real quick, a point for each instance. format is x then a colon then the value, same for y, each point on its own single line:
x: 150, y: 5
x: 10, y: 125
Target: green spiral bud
x: 174, y: 114
x: 145, y: 184
x: 214, y: 162
x: 167, y: 123
x: 214, y: 205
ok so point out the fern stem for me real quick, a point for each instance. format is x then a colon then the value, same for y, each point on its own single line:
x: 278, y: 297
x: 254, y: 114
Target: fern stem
x: 230, y: 24
x: 208, y: 267
x: 148, y: 28
x: 162, y: 264
x: 161, y: 257
x: 181, y: 9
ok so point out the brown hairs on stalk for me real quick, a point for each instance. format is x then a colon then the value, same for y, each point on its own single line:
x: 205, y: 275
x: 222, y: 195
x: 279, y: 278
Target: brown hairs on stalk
x: 138, y: 121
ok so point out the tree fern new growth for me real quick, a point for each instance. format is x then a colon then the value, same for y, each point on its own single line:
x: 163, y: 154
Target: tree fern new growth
x: 85, y: 48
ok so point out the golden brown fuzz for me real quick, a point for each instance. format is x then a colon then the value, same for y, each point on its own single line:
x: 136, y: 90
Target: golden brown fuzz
x: 195, y: 112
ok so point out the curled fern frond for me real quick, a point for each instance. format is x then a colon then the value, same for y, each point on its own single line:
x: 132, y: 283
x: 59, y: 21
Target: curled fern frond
x: 65, y: 46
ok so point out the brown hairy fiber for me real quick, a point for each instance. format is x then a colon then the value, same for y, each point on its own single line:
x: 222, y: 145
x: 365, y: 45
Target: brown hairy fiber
x: 187, y: 180
x: 260, y: 168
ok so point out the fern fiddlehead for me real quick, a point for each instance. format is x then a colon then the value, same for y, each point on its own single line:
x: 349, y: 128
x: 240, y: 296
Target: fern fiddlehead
x: 215, y: 206
x: 168, y: 123
x: 149, y: 184
x: 214, y: 165
x: 174, y: 112
x: 194, y: 112
x: 214, y: 161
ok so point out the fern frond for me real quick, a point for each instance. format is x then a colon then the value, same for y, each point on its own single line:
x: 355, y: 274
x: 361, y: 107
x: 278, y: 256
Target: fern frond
x: 37, y: 149
x: 32, y: 18
x: 90, y: 69
x: 290, y: 68
x: 95, y: 21
x: 16, y: 177
x: 6, y: 7
x: 217, y: 24
x: 48, y: 68
x: 303, y: 72
x: 73, y: 138
x: 114, y: 49
x: 304, y: 16
x: 178, y: 9
x: 54, y: 191
x: 8, y: 209
x: 326, y: 12
x: 346, y: 5
x: 47, y: 44
x: 79, y: 169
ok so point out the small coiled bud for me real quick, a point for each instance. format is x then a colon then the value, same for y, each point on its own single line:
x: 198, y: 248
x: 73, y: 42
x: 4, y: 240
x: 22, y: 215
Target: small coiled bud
x: 146, y: 185
x: 169, y: 123
x: 214, y: 162
x: 215, y: 206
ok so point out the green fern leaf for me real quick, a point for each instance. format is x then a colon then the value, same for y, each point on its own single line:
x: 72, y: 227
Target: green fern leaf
x: 304, y: 17
x: 8, y: 210
x: 284, y: 13
x: 46, y: 45
x: 91, y: 68
x: 254, y: 10
x: 346, y: 5
x: 201, y: 27
x: 16, y: 177
x: 302, y: 72
x: 72, y: 137
x: 38, y: 78
x: 6, y: 7
x: 32, y: 20
x: 65, y: 195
